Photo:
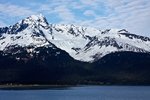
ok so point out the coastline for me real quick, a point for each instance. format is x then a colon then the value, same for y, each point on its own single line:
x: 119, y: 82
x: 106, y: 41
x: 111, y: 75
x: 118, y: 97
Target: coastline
x: 32, y: 87
x: 55, y: 86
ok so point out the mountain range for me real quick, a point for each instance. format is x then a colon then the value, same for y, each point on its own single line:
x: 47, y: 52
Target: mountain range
x: 34, y: 51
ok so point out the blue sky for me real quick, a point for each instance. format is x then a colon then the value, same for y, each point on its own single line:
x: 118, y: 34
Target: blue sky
x: 133, y: 15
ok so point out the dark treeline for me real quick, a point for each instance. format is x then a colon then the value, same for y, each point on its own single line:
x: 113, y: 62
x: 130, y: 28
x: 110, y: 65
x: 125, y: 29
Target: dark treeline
x: 47, y: 67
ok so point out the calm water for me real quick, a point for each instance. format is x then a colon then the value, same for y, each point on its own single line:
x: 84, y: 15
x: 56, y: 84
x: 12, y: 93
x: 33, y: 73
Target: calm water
x: 80, y: 93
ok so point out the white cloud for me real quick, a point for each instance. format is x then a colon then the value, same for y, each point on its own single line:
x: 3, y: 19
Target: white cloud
x: 15, y: 10
x: 130, y: 14
x: 90, y: 2
x: 59, y: 9
x: 44, y: 8
x: 77, y: 5
x: 89, y: 13
x: 64, y: 13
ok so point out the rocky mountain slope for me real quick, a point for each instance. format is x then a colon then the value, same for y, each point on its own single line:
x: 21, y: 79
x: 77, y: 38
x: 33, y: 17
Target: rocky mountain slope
x: 82, y: 43
x: 35, y: 52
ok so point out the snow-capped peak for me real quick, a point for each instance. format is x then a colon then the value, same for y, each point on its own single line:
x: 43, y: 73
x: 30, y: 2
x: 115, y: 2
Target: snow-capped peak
x: 82, y: 43
x: 37, y: 17
x: 34, y: 19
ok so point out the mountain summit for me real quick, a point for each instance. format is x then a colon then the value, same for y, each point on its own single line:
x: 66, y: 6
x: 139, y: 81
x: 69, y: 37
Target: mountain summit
x: 33, y: 51
x: 82, y: 43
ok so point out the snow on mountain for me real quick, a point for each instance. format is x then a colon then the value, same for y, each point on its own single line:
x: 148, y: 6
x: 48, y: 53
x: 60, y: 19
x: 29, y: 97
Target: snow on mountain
x: 29, y: 31
x: 82, y: 43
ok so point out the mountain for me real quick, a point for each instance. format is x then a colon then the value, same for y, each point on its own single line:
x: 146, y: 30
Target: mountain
x: 46, y: 65
x: 82, y: 43
x: 33, y: 51
x: 130, y: 68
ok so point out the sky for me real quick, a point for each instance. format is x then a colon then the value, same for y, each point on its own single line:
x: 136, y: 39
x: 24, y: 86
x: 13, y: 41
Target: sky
x: 132, y: 15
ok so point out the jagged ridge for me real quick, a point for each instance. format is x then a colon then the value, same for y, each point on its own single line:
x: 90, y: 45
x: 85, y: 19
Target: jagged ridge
x: 82, y: 43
